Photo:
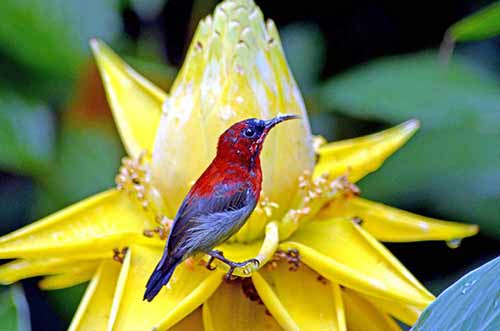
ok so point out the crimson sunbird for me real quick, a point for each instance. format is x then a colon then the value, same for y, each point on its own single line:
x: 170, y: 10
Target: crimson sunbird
x: 219, y: 203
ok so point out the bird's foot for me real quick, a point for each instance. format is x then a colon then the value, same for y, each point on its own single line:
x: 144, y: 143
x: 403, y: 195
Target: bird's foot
x: 234, y: 265
x: 219, y: 255
x: 213, y: 256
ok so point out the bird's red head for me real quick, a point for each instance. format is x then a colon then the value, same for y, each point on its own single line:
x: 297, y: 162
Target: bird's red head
x: 242, y: 142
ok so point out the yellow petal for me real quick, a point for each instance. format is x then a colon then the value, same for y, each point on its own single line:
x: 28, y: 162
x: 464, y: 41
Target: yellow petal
x: 359, y: 156
x: 119, y: 289
x: 361, y: 315
x: 19, y: 269
x: 229, y: 309
x: 93, y: 311
x: 135, y: 102
x: 189, y: 287
x: 390, y: 224
x: 403, y: 312
x: 192, y: 322
x: 235, y: 69
x: 288, y: 296
x: 77, y: 275
x: 339, y: 306
x: 343, y: 252
x: 96, y: 224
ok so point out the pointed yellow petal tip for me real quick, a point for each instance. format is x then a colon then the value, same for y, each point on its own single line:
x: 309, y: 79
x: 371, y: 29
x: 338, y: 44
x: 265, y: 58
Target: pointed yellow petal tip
x: 407, y: 129
x: 135, y: 102
x: 358, y: 157
x: 411, y: 125
x: 394, y: 225
x: 94, y: 44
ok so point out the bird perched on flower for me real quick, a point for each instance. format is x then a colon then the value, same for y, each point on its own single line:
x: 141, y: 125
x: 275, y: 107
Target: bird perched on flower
x: 219, y: 203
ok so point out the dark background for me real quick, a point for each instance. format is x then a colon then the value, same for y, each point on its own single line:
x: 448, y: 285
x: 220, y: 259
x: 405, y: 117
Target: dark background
x: 83, y: 150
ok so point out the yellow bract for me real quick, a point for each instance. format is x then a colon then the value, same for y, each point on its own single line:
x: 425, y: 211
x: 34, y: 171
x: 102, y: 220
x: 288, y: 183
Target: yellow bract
x: 189, y: 287
x: 229, y: 309
x: 359, y: 156
x: 97, y: 224
x: 361, y: 315
x: 405, y: 313
x: 284, y: 293
x: 93, y: 312
x: 390, y: 224
x: 69, y: 278
x: 342, y: 252
x: 135, y: 102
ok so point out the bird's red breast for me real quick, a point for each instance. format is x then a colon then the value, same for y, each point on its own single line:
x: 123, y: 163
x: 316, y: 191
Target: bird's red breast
x: 223, y: 171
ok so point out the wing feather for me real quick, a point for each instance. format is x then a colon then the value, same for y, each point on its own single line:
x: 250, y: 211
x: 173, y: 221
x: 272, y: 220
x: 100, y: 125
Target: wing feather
x: 203, y: 221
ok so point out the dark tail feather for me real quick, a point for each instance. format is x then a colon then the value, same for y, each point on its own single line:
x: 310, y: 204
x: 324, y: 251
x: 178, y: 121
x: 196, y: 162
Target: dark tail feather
x: 159, y: 278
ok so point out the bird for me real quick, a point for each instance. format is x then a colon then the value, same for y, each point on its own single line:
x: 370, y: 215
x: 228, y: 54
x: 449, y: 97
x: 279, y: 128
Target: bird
x: 219, y: 202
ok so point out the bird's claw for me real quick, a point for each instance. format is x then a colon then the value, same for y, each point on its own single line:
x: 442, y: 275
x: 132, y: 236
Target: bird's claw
x: 209, y: 265
x: 229, y: 275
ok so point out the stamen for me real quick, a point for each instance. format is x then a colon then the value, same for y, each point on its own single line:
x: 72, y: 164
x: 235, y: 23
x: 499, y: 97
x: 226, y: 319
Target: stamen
x: 314, y: 194
x: 250, y: 291
x: 267, y: 205
x: 322, y: 280
x: 357, y: 220
x: 119, y: 255
x: 134, y: 177
x: 292, y: 257
x: 318, y: 141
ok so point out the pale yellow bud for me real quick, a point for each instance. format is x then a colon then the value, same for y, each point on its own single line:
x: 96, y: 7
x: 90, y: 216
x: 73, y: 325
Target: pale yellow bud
x: 235, y: 69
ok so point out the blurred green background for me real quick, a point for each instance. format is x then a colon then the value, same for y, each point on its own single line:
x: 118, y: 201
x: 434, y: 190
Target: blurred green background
x: 361, y: 65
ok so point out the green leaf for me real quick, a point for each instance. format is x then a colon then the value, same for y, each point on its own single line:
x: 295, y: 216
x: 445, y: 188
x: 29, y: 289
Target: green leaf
x: 398, y: 88
x: 14, y: 310
x: 148, y: 9
x: 472, y: 303
x: 33, y: 84
x: 65, y: 301
x: 26, y: 134
x: 52, y: 35
x: 87, y: 160
x: 480, y: 25
x: 305, y: 51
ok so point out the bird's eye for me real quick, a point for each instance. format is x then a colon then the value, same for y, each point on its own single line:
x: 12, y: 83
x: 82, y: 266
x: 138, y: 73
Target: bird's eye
x: 249, y: 132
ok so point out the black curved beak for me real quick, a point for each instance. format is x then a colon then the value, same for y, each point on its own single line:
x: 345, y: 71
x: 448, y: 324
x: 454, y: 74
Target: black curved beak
x: 278, y: 119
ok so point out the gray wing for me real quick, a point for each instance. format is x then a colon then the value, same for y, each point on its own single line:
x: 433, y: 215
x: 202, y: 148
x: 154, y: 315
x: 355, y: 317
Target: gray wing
x: 203, y: 223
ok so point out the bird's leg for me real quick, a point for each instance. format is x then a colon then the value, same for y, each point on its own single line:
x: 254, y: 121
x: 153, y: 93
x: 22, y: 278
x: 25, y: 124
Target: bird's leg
x: 212, y: 258
x: 232, y: 265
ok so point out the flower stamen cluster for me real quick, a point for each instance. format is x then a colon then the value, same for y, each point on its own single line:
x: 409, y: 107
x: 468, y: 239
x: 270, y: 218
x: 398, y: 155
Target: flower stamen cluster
x: 291, y: 256
x: 267, y: 205
x: 315, y: 194
x: 134, y: 177
x: 119, y: 254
